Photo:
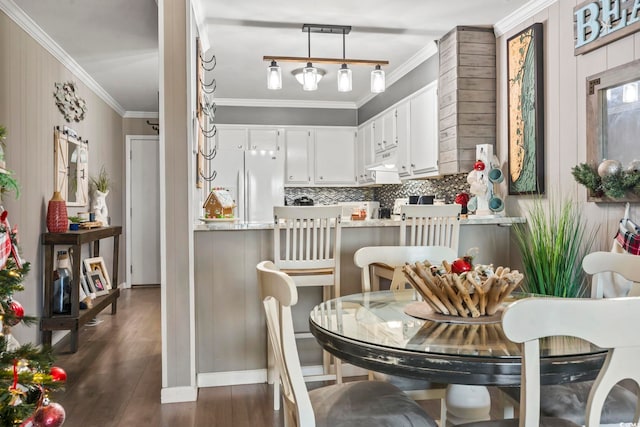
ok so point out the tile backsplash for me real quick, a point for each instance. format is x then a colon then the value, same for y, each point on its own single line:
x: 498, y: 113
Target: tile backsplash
x: 443, y: 188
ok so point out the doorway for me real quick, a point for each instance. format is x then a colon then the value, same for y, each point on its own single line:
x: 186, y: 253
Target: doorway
x: 142, y: 207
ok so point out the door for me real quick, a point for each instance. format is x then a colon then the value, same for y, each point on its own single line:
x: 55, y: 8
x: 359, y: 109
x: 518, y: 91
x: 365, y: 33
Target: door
x: 335, y: 156
x: 424, y: 132
x: 229, y: 164
x: 264, y: 184
x: 143, y: 232
x: 297, y: 147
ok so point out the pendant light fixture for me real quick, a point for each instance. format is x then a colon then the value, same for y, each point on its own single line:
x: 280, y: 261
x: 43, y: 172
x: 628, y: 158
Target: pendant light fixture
x: 309, y: 76
x: 274, y: 76
x: 344, y: 73
x: 309, y: 73
x: 377, y: 80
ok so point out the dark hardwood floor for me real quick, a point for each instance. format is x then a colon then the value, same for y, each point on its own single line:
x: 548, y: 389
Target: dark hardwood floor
x: 114, y: 379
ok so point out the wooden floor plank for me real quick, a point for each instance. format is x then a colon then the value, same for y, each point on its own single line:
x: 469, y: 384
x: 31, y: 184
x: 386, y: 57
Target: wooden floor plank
x: 115, y: 378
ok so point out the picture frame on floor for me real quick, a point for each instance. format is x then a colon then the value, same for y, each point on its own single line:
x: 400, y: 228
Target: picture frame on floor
x: 98, y: 282
x: 97, y: 264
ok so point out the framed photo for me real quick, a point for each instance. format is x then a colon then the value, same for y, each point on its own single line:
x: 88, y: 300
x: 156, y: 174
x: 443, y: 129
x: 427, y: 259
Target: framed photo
x: 87, y: 287
x: 98, y: 282
x: 525, y: 108
x: 97, y: 264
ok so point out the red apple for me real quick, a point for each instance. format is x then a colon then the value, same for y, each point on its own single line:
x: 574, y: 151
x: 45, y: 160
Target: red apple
x: 460, y: 265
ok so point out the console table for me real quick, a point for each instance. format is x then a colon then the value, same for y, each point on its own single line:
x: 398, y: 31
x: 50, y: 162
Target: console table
x: 73, y: 321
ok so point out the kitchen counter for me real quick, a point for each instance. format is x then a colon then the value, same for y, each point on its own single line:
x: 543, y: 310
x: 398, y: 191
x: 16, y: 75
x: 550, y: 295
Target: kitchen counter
x: 226, y: 253
x: 471, y: 220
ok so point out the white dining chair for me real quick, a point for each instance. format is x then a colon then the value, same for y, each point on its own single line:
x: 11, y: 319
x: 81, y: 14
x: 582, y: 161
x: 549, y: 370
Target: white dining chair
x: 352, y: 404
x: 569, y: 400
x: 610, y: 324
x: 393, y: 258
x: 423, y: 225
x: 306, y: 246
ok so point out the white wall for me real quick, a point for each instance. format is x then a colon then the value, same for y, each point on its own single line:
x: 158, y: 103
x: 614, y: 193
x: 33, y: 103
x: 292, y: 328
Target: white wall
x: 565, y: 110
x: 27, y: 108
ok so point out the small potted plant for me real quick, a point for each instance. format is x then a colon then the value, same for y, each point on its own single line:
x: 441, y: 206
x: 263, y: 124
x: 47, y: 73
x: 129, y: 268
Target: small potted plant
x: 101, y: 185
x: 75, y: 222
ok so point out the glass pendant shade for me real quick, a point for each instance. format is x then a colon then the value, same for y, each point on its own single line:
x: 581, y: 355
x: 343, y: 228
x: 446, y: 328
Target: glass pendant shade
x: 377, y: 80
x: 274, y: 76
x: 309, y: 77
x: 344, y: 79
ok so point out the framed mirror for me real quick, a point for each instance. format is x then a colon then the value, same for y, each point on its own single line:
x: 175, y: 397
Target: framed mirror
x: 71, y: 167
x: 613, y: 108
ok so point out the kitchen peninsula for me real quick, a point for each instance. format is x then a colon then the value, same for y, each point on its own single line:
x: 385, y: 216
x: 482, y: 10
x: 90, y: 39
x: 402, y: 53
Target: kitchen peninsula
x: 231, y: 336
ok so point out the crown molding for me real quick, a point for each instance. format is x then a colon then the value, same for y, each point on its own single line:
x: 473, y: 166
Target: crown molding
x: 23, y: 20
x: 520, y: 15
x: 422, y: 55
x: 140, y: 115
x: 284, y: 103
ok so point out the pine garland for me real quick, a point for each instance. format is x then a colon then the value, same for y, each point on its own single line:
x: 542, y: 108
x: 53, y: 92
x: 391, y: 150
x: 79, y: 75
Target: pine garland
x: 615, y: 186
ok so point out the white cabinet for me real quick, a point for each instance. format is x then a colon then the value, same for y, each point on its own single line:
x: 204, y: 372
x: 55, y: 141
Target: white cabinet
x: 335, y: 156
x: 263, y: 139
x: 234, y: 138
x: 424, y: 133
x: 364, y: 154
x: 403, y: 123
x: 378, y: 134
x: 298, y: 146
x: 389, y: 130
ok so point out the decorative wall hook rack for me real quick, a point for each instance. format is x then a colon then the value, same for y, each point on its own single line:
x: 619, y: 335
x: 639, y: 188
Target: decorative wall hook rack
x: 154, y: 126
x: 208, y: 65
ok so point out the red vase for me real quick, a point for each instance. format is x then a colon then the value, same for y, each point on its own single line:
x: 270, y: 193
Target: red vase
x: 57, y: 220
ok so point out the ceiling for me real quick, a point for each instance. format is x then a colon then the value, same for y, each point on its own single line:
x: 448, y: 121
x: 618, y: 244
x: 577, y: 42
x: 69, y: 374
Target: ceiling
x: 116, y: 41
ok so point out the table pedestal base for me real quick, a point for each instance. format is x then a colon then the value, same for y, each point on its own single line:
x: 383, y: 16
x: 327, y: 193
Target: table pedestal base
x: 467, y: 403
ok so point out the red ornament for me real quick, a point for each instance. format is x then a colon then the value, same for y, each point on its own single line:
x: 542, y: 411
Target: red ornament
x: 27, y: 423
x: 51, y: 415
x: 460, y: 265
x: 18, y: 313
x: 58, y: 374
x: 57, y: 220
x: 462, y: 199
x: 479, y: 165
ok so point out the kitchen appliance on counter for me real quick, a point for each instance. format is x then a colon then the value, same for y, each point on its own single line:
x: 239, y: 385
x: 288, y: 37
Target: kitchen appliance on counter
x: 397, y: 206
x: 303, y: 201
x: 369, y: 210
x: 254, y: 178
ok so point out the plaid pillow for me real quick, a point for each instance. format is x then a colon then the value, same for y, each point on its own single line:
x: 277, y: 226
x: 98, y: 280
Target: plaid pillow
x: 629, y: 237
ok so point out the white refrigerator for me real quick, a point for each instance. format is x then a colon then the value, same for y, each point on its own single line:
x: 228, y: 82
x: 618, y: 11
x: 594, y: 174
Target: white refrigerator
x: 255, y: 179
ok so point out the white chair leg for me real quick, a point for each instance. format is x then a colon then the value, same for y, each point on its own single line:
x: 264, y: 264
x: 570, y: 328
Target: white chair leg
x: 443, y: 412
x: 276, y: 395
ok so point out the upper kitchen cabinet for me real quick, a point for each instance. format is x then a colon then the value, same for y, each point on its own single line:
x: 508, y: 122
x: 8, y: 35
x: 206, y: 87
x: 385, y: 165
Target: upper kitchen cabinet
x: 402, y: 126
x: 467, y: 96
x: 298, y: 146
x: 423, y: 147
x: 335, y: 156
x: 231, y: 138
x: 364, y: 154
x: 264, y: 139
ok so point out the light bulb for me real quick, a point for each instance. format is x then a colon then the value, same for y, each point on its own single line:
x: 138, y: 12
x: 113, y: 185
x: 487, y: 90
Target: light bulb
x: 377, y: 80
x: 309, y: 77
x: 630, y: 92
x: 274, y: 76
x: 344, y: 79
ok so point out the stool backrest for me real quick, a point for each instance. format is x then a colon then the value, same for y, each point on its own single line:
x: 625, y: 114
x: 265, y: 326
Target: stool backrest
x: 307, y: 243
x: 430, y: 225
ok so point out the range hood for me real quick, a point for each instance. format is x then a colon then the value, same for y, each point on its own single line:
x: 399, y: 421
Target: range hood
x: 385, y: 167
x: 385, y: 161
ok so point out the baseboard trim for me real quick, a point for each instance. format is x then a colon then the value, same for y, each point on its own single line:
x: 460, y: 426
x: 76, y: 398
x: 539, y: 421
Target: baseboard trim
x: 216, y: 379
x: 258, y: 376
x: 178, y: 394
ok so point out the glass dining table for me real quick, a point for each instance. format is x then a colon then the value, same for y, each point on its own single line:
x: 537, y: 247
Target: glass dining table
x: 374, y: 331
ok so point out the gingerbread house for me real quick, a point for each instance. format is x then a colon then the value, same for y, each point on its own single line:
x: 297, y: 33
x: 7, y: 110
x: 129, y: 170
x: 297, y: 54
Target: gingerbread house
x: 219, y: 204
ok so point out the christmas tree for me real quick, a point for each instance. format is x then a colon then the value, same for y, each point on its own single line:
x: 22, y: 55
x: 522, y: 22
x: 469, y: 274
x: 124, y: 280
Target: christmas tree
x: 26, y: 372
